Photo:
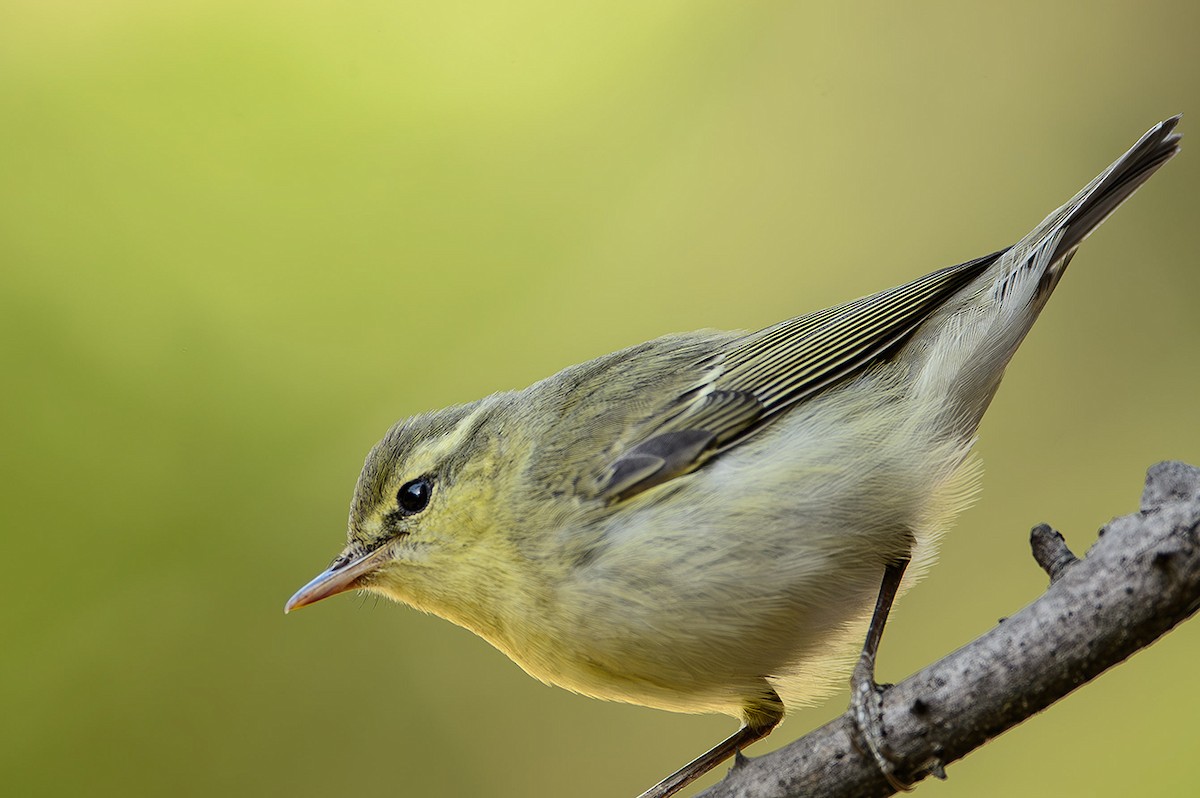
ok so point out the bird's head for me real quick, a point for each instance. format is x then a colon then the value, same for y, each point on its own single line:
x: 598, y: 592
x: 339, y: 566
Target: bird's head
x: 423, y: 525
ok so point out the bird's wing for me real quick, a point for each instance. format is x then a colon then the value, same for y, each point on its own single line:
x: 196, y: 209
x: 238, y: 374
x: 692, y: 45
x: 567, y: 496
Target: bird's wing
x: 759, y: 376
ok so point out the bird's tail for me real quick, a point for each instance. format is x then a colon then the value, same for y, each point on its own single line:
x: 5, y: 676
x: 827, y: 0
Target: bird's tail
x: 1053, y: 242
x: 961, y: 353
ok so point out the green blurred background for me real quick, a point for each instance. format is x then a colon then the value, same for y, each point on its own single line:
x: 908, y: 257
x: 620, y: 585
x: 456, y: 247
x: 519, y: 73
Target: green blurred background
x: 239, y: 239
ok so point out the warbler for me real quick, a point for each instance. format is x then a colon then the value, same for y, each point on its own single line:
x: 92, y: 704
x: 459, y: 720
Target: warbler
x: 714, y: 521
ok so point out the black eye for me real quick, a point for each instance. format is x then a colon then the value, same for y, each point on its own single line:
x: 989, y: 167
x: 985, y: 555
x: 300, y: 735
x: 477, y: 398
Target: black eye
x: 414, y: 495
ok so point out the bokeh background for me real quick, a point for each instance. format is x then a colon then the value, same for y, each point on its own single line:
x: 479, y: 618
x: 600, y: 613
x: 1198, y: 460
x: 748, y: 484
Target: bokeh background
x: 239, y: 239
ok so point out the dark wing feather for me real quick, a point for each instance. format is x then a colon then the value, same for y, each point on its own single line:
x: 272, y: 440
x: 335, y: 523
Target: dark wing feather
x: 759, y: 376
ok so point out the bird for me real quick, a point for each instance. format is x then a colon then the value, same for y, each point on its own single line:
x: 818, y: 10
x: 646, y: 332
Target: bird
x: 717, y: 522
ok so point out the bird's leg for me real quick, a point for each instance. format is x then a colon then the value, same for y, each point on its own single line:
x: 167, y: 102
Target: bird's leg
x: 750, y: 733
x: 866, y: 696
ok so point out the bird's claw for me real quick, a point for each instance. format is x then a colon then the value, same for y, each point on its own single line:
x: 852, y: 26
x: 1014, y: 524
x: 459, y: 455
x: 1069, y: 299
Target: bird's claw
x: 866, y: 712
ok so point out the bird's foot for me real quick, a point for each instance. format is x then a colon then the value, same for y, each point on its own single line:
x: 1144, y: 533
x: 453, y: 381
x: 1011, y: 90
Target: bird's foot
x: 866, y: 711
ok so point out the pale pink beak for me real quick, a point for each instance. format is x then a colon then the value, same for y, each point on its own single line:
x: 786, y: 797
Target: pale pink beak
x: 343, y: 575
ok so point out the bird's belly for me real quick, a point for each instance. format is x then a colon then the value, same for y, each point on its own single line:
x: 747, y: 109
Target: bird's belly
x: 699, y: 636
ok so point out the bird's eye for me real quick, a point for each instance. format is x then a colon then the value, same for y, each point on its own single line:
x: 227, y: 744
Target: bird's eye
x: 413, y: 495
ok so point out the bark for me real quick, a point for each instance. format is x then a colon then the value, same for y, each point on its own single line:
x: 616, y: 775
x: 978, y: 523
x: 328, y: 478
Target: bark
x: 1139, y: 580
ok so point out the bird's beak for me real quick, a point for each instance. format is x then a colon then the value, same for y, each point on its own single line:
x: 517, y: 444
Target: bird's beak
x: 345, y: 573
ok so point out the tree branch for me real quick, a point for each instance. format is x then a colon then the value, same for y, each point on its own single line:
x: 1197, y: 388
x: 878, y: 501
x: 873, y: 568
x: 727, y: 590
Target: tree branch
x: 1140, y: 579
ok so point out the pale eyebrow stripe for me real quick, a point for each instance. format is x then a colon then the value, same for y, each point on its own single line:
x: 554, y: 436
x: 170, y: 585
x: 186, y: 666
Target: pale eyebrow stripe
x: 440, y: 449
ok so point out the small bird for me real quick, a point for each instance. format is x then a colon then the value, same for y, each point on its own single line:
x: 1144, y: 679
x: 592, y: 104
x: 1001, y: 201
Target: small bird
x: 716, y: 521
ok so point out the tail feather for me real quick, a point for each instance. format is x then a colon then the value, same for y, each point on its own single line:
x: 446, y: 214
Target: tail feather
x: 964, y: 349
x: 1045, y: 252
x: 1091, y: 206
